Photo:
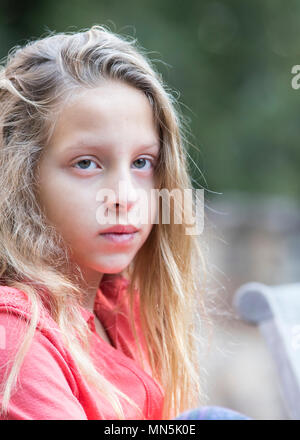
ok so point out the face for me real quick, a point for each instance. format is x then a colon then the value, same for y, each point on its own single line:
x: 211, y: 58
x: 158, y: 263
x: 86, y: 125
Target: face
x: 102, y: 137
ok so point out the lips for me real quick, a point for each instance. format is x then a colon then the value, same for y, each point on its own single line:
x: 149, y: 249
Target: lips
x: 120, y: 235
x: 120, y: 229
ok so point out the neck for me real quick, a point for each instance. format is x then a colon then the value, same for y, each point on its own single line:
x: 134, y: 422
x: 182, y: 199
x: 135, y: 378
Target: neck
x: 89, y: 299
x: 89, y: 282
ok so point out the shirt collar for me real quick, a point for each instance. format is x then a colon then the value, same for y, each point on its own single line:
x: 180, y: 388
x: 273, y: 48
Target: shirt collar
x: 110, y: 286
x: 87, y: 315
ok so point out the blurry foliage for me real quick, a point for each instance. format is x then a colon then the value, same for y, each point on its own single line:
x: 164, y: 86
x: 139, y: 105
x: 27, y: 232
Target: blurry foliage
x: 230, y: 63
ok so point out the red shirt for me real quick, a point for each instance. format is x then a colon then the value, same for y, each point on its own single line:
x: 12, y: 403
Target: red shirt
x: 50, y: 385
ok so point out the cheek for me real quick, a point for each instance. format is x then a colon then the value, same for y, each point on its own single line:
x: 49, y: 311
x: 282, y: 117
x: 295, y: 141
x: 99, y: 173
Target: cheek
x: 65, y: 206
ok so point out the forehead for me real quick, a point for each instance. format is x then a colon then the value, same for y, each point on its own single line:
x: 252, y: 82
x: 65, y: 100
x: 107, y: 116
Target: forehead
x: 108, y: 112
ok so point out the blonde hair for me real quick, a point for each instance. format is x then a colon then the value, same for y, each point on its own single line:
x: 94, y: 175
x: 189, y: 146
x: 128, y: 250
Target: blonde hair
x: 34, y: 258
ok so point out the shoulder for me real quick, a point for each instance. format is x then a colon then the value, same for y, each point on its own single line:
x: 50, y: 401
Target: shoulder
x: 15, y: 302
x: 16, y: 314
x: 12, y: 297
x: 47, y: 372
x: 15, y: 317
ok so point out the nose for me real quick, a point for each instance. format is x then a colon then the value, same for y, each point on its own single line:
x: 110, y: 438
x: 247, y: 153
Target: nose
x: 125, y: 196
x: 122, y: 196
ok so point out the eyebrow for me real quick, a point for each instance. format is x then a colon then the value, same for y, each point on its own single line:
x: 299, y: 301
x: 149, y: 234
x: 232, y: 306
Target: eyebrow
x: 95, y: 146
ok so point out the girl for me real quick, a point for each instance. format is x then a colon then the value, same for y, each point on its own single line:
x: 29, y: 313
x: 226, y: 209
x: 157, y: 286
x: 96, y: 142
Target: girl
x: 94, y: 323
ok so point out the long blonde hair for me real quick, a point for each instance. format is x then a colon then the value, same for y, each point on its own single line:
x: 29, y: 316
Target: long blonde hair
x: 34, y: 258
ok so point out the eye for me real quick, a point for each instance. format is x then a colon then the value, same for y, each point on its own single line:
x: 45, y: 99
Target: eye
x: 141, y: 161
x: 86, y: 163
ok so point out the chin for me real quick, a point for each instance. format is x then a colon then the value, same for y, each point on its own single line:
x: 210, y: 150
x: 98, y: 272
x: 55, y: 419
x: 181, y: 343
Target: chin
x: 114, y: 269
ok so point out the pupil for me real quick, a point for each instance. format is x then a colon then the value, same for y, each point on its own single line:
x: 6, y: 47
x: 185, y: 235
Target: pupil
x: 138, y: 160
x: 86, y: 161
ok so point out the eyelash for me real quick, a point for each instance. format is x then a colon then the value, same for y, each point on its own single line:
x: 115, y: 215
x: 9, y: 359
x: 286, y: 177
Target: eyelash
x: 87, y: 159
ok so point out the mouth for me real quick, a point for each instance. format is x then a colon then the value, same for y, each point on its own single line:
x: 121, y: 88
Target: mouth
x: 117, y: 237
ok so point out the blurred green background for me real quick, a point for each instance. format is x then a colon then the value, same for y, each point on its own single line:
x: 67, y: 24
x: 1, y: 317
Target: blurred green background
x: 229, y: 63
x: 229, y: 60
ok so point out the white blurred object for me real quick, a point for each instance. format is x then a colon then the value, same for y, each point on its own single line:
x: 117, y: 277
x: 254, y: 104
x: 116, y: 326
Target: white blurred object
x: 276, y: 312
